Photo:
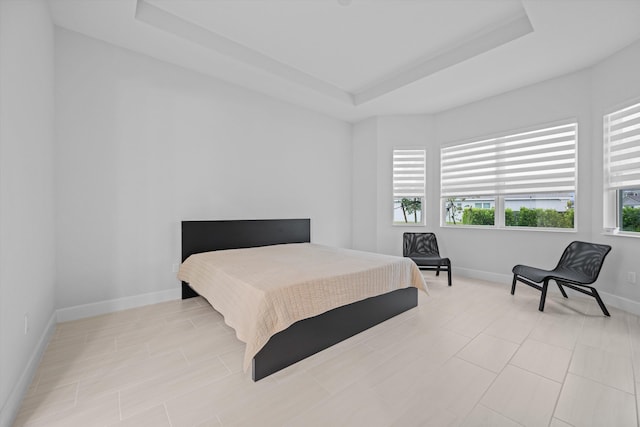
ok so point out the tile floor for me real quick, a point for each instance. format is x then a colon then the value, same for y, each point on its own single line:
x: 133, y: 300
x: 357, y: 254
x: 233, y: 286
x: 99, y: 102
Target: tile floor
x: 469, y: 355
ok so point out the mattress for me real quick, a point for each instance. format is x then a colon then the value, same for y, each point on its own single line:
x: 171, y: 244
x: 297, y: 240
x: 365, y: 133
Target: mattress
x: 263, y: 290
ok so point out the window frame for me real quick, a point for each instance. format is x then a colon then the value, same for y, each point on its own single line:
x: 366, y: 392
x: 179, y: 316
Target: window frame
x: 499, y: 199
x: 620, y: 206
x: 422, y: 195
x: 613, y: 195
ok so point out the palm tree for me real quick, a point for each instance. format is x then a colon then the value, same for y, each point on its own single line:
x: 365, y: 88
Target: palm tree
x: 411, y: 206
x: 452, y: 208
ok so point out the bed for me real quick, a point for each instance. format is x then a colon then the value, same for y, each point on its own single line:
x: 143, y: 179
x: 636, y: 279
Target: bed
x: 279, y: 303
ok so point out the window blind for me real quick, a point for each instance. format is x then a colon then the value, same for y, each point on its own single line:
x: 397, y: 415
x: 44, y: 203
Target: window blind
x: 408, y: 173
x: 622, y: 148
x: 538, y: 161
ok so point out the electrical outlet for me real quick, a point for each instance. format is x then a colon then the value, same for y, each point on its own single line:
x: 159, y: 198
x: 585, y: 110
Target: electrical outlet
x: 631, y: 277
x: 174, y: 268
x: 26, y: 323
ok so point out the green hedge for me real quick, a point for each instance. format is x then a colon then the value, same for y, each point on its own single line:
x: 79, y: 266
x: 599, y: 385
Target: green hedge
x: 630, y: 219
x: 548, y: 218
x: 478, y: 216
x: 523, y: 218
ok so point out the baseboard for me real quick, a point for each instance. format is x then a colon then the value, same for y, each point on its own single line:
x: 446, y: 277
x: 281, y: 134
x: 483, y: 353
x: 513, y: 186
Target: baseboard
x: 109, y: 306
x: 10, y: 410
x: 483, y: 275
x: 494, y: 277
x: 12, y: 405
x: 622, y: 303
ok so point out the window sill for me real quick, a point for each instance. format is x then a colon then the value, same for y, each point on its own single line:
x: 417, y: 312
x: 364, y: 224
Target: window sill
x: 616, y: 233
x: 534, y: 229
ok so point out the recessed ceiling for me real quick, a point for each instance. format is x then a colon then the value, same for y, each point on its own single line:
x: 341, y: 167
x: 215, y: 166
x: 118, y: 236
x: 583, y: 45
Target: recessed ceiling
x: 354, y: 59
x: 349, y: 47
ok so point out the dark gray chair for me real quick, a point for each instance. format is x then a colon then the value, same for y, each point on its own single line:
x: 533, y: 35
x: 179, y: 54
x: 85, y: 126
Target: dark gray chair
x: 578, y: 267
x: 422, y: 248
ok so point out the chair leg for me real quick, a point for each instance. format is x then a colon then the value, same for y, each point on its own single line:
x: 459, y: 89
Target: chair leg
x: 564, y: 294
x: 600, y: 303
x: 543, y: 297
x: 449, y: 273
x: 438, y: 270
x: 513, y: 284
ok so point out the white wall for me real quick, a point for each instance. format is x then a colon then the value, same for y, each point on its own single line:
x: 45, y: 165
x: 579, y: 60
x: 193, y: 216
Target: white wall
x: 615, y: 83
x: 26, y: 194
x: 364, y: 184
x: 480, y: 251
x: 490, y: 254
x: 585, y: 95
x: 142, y: 145
x: 411, y: 131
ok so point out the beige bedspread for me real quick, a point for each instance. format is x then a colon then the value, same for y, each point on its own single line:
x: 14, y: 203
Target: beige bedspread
x: 262, y: 291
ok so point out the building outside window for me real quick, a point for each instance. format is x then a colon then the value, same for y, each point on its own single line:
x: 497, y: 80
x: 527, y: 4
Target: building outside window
x: 525, y: 179
x: 622, y: 170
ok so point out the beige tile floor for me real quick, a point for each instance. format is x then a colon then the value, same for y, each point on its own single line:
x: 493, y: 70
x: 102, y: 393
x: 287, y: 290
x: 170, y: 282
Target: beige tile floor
x: 469, y: 355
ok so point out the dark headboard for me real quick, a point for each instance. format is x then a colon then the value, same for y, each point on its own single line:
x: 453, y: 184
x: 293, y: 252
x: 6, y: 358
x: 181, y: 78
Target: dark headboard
x: 206, y: 236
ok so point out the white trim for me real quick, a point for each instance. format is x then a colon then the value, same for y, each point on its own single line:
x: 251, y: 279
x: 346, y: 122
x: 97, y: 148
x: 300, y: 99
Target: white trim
x: 616, y: 233
x: 630, y: 306
x: 421, y: 194
x: 498, y: 278
x: 483, y: 275
x: 511, y: 228
x: 511, y: 28
x: 172, y: 23
x: 109, y: 306
x: 12, y: 405
x: 622, y: 303
x: 477, y: 44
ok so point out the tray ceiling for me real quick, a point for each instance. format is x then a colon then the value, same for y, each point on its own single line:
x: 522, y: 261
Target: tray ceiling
x: 355, y: 58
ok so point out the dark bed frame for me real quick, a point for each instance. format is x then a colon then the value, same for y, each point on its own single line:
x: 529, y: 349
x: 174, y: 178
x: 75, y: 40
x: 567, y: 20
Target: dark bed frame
x: 305, y: 337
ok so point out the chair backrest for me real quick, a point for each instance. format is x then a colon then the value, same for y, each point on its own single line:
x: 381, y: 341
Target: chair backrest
x: 419, y: 244
x: 584, y: 257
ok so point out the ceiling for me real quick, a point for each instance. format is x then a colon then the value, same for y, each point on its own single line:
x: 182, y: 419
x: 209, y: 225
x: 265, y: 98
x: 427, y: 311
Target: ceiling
x: 353, y: 59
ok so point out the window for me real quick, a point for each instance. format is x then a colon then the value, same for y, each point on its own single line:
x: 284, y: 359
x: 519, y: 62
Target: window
x: 622, y: 170
x: 408, y: 186
x: 526, y: 179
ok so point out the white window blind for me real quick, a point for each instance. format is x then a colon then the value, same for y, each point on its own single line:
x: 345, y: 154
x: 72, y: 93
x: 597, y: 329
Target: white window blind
x: 622, y: 148
x: 538, y: 161
x: 408, y: 173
